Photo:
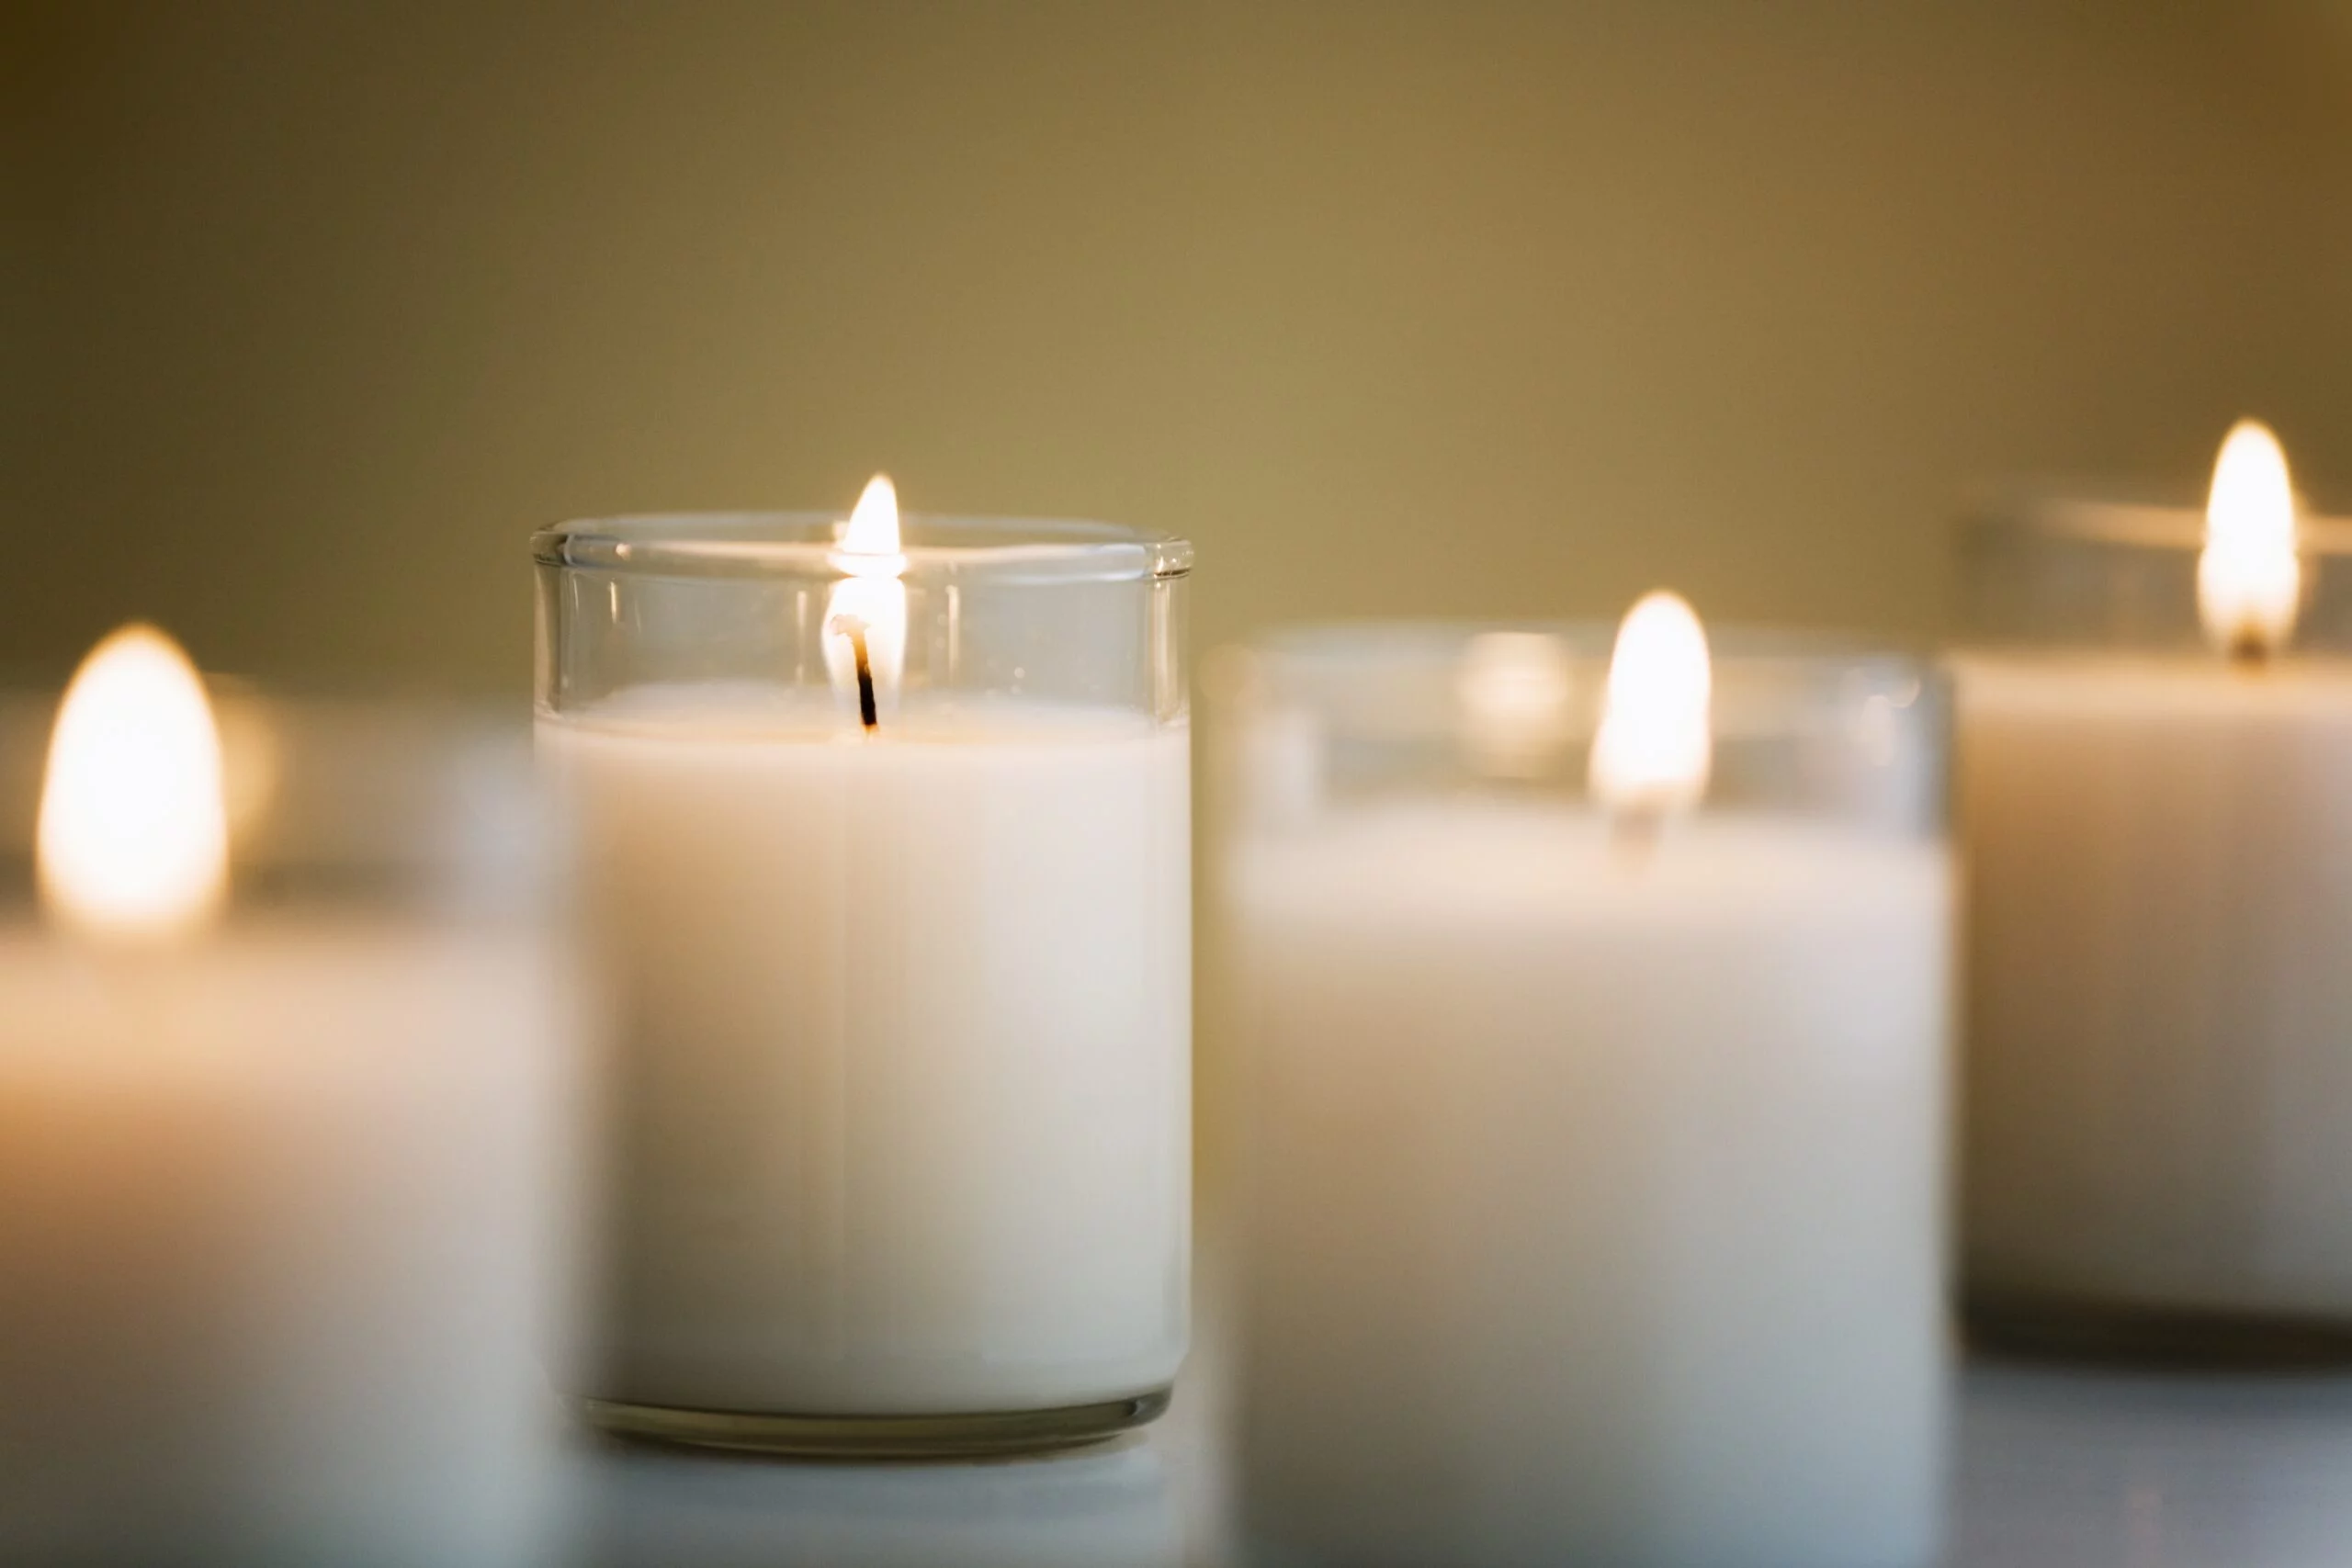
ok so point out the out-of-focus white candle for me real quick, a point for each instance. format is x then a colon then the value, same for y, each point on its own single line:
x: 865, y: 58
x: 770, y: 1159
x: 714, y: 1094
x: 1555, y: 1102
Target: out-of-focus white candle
x: 278, y: 1213
x: 1595, y: 1210
x: 2159, y: 1010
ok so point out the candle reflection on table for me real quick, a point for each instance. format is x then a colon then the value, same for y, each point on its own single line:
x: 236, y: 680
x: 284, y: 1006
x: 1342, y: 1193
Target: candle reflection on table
x: 1105, y: 1508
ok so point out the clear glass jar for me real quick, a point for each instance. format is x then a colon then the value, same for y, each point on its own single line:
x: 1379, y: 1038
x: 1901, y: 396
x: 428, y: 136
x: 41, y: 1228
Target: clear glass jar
x: 897, y: 935
x: 2049, y: 570
x: 285, y: 1192
x: 2158, y: 1061
x: 1329, y: 718
x: 1550, y: 1101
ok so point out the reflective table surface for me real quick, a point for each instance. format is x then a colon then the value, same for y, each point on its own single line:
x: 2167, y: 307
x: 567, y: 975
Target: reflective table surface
x: 2053, y: 1468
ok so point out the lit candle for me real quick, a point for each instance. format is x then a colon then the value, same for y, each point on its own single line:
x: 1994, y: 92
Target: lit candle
x: 277, y: 1212
x: 1594, y: 1146
x: 2159, y: 1014
x: 891, y: 876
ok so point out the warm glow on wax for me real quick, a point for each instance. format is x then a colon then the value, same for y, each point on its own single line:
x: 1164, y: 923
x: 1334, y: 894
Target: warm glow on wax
x: 134, y: 836
x: 1651, y: 753
x: 2248, y: 579
x: 868, y: 607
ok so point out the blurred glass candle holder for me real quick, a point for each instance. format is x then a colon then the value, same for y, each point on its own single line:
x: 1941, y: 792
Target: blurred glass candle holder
x: 2154, y: 722
x: 284, y: 1060
x: 883, y: 841
x: 1591, y: 1020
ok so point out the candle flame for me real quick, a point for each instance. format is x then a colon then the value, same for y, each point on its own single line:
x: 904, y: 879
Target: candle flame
x: 866, y: 614
x: 2248, y: 577
x: 869, y: 541
x: 1652, y: 750
x: 133, y: 835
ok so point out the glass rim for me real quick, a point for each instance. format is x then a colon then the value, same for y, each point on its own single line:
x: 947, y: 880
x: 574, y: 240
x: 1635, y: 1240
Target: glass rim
x: 2117, y: 521
x: 349, y: 800
x: 1817, y: 724
x: 1590, y: 641
x: 1399, y: 676
x: 1039, y: 550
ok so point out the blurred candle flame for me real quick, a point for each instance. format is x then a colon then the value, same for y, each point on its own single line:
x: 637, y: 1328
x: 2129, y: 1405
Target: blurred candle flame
x: 869, y: 603
x: 1651, y: 753
x: 2248, y: 577
x: 134, y: 836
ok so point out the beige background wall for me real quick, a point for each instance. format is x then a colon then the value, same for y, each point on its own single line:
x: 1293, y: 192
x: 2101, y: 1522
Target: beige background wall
x: 315, y: 310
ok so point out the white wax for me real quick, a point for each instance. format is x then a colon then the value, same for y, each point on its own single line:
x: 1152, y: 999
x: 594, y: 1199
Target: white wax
x: 1596, y: 1194
x: 2159, y: 1060
x: 903, y: 1093
x: 279, y: 1264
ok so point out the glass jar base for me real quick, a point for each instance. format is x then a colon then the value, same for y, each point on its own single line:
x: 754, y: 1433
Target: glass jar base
x: 880, y: 1437
x: 2129, y: 1334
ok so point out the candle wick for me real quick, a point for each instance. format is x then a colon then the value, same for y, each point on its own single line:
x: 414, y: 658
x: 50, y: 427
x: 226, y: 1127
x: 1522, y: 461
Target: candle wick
x: 2249, y: 650
x: 1634, y: 832
x: 868, y: 712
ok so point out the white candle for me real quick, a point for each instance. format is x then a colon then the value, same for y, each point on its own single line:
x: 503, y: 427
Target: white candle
x: 2159, y: 1015
x: 1595, y: 1199
x: 278, y: 1213
x: 883, y: 852
x: 903, y: 1094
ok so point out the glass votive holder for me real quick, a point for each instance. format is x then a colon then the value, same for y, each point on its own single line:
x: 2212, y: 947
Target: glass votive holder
x: 1591, y: 1065
x: 2152, y: 762
x: 884, y: 856
x: 286, y: 1049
